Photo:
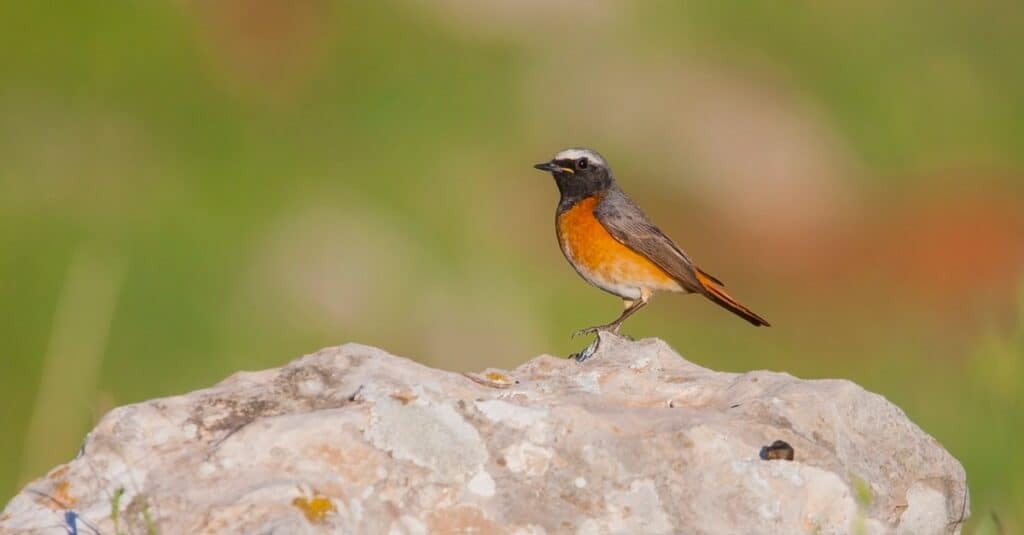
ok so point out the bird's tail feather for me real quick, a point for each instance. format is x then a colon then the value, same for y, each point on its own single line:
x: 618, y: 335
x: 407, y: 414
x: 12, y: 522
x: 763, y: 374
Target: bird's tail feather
x: 712, y: 289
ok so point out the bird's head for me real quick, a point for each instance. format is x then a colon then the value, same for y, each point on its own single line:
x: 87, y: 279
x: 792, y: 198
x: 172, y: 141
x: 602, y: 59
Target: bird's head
x: 578, y: 171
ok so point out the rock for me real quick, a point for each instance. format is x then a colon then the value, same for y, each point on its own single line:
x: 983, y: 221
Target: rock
x: 635, y: 440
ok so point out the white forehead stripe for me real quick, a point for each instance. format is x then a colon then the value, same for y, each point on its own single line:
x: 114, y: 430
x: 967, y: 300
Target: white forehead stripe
x: 573, y: 154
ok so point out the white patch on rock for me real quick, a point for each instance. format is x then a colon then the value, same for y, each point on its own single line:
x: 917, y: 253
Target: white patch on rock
x: 640, y: 363
x: 311, y: 387
x: 590, y: 526
x: 207, y: 469
x: 787, y: 470
x: 924, y: 505
x: 407, y: 525
x: 538, y: 433
x: 515, y: 416
x: 770, y: 510
x: 527, y: 458
x: 482, y: 484
x: 589, y: 382
x: 637, y: 510
x: 435, y: 436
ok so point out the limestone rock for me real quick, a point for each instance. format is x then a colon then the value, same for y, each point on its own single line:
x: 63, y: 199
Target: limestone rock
x: 634, y: 440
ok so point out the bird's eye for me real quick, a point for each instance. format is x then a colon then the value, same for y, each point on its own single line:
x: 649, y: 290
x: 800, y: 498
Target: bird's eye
x: 582, y: 163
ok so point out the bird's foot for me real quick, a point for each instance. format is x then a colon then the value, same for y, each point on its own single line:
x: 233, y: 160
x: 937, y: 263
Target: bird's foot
x: 587, y: 351
x: 611, y: 327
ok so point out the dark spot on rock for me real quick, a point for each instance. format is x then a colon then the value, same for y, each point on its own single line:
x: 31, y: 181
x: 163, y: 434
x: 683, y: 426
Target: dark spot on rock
x: 291, y: 377
x: 500, y: 461
x: 244, y: 413
x: 777, y: 451
x: 234, y: 414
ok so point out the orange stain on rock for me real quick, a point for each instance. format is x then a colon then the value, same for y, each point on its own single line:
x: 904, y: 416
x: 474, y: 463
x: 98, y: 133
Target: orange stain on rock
x: 315, y: 508
x: 357, y: 463
x: 461, y: 519
x: 59, y: 498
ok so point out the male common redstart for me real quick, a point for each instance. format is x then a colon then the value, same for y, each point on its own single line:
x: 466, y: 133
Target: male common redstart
x: 611, y: 244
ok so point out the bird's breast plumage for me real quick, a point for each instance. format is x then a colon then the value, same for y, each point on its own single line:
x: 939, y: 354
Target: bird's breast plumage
x: 601, y: 259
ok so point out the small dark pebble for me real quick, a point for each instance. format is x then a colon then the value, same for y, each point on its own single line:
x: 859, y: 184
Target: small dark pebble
x: 778, y: 451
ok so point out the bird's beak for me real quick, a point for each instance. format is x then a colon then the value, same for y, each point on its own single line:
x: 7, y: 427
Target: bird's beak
x: 553, y: 167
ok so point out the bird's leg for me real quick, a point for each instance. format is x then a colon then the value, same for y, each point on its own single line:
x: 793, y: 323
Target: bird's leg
x: 630, y: 308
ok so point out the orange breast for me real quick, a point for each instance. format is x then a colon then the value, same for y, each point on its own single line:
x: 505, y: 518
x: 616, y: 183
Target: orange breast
x: 602, y: 260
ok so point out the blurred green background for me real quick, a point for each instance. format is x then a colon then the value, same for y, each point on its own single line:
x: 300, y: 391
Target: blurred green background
x: 192, y: 188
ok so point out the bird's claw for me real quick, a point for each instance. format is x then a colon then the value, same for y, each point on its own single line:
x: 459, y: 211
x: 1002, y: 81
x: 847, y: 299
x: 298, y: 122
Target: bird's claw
x: 587, y: 351
x: 581, y: 332
x: 614, y: 329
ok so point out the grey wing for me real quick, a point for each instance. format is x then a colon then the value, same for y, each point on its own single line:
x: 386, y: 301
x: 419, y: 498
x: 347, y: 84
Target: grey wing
x: 624, y: 220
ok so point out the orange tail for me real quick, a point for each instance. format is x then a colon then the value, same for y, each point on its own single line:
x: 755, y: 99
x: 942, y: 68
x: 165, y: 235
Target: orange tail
x: 713, y: 291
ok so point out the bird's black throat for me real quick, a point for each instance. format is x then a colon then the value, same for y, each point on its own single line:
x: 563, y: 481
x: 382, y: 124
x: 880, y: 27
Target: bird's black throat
x: 576, y: 187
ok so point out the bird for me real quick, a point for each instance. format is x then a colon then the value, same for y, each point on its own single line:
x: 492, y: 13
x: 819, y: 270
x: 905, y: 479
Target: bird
x: 612, y: 244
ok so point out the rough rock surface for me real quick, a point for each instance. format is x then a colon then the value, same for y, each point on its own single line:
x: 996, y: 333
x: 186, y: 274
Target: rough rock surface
x: 635, y: 440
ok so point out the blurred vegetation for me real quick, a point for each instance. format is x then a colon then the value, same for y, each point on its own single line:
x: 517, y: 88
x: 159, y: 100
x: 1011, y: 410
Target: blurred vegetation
x: 192, y: 188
